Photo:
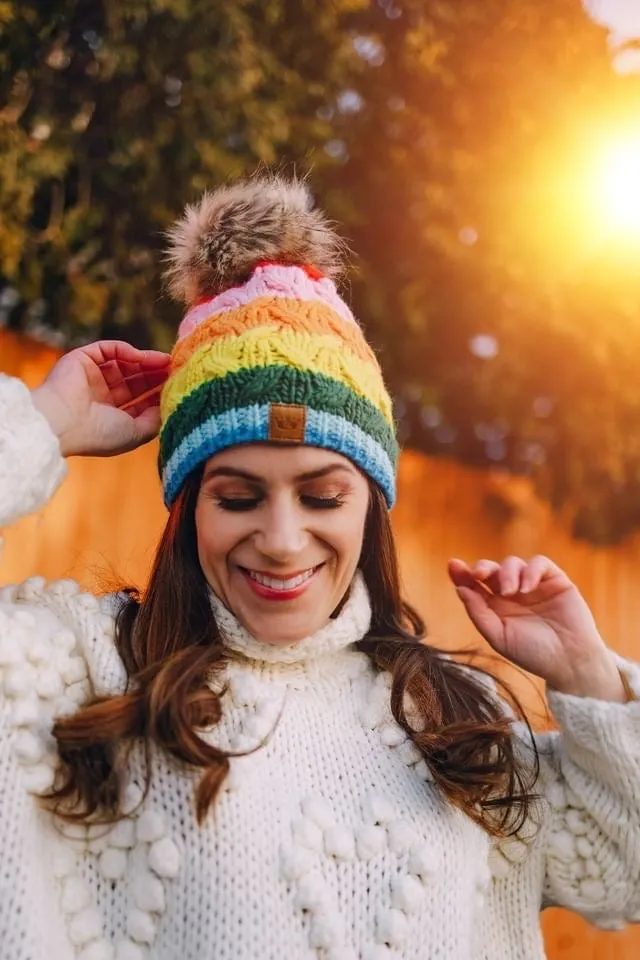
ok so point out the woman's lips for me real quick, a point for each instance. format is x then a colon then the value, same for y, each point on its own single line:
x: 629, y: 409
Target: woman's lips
x: 269, y: 587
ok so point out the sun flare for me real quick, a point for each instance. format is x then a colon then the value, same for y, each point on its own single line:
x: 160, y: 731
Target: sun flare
x: 618, y: 184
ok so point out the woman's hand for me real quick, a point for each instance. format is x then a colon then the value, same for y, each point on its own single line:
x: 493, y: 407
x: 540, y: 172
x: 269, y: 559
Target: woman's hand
x: 532, y: 614
x: 102, y: 399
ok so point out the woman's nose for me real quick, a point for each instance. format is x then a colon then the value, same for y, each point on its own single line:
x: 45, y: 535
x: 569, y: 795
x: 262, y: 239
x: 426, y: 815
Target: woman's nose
x: 282, y: 536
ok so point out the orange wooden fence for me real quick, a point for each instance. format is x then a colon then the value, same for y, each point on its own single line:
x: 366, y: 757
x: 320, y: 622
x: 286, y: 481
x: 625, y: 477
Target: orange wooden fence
x: 103, y: 523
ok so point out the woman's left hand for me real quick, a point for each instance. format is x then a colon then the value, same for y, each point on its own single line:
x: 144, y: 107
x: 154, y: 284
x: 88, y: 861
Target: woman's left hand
x: 532, y: 614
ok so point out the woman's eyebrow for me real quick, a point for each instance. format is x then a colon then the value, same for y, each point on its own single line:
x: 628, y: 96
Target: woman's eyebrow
x: 231, y: 472
x: 325, y: 471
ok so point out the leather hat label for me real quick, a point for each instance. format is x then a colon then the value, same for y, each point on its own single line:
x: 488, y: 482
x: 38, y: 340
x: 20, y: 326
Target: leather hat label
x: 287, y: 422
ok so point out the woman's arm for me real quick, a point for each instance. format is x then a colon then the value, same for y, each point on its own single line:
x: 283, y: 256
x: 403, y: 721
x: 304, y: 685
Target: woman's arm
x: 95, y: 401
x: 56, y: 643
x: 31, y: 463
x: 531, y: 613
x: 592, y: 854
x: 99, y: 400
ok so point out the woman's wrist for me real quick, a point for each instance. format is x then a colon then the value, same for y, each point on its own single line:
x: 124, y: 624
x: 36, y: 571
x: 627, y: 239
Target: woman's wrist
x: 603, y: 682
x: 55, y: 413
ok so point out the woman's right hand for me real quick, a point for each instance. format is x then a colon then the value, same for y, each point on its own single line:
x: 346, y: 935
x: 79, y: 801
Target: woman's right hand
x: 94, y: 398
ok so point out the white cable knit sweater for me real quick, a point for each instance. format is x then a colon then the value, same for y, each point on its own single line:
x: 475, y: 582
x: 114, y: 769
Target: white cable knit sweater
x: 328, y: 843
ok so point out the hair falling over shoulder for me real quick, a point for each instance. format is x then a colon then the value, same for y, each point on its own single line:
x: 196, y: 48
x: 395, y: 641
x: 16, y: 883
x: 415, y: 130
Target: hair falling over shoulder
x: 171, y: 648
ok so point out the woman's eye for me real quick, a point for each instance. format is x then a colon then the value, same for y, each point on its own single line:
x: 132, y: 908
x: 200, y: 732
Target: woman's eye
x: 238, y: 503
x: 323, y: 503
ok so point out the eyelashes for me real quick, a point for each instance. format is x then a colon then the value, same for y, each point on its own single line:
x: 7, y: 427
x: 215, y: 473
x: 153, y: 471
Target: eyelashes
x: 238, y: 505
x: 244, y: 504
x: 323, y: 503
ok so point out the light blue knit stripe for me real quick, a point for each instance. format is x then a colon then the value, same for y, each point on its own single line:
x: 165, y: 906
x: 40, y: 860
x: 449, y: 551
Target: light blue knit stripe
x: 251, y: 425
x: 241, y: 425
x: 336, y: 433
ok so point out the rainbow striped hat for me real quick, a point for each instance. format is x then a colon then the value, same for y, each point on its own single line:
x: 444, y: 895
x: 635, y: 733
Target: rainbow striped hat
x: 267, y: 351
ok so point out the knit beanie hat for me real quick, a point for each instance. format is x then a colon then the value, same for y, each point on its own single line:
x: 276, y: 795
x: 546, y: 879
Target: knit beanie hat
x: 267, y: 351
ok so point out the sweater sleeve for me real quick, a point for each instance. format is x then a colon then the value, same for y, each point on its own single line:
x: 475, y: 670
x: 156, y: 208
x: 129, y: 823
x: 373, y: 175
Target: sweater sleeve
x: 592, y: 856
x: 56, y: 653
x: 31, y: 465
x: 56, y: 642
x: 31, y: 469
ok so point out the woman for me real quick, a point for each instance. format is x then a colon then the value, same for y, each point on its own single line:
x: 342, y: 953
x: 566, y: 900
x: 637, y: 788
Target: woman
x: 260, y: 757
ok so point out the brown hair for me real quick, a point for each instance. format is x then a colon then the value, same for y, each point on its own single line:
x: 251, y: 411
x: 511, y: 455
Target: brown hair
x: 170, y: 646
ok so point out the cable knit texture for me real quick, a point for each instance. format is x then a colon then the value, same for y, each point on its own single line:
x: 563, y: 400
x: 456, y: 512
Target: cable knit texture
x: 329, y: 842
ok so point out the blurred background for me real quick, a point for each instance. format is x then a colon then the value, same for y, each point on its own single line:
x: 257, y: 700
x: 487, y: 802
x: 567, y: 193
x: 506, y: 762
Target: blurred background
x: 482, y: 158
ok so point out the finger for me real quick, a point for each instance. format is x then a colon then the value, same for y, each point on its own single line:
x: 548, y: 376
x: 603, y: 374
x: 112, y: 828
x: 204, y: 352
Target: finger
x: 150, y: 398
x: 537, y: 570
x: 459, y: 572
x: 104, y: 350
x: 147, y: 424
x: 115, y: 370
x: 462, y: 575
x: 139, y: 383
x: 503, y: 579
x: 111, y: 373
x: 487, y: 572
x: 533, y: 573
x: 509, y: 575
x: 483, y: 569
x: 125, y: 390
x: 121, y: 390
x: 479, y: 576
x: 486, y: 622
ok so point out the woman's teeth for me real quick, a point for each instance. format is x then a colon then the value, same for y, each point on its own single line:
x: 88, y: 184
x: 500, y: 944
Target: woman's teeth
x: 277, y: 583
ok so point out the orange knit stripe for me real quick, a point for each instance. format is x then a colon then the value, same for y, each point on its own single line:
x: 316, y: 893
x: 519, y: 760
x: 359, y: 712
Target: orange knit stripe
x: 301, y: 316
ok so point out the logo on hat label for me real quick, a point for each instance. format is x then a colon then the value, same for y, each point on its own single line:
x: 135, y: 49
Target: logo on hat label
x: 287, y: 422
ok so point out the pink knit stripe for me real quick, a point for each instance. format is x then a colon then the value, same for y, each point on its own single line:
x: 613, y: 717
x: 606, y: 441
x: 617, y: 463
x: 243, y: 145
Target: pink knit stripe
x: 270, y: 281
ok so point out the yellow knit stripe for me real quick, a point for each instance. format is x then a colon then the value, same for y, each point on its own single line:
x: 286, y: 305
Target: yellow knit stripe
x: 264, y: 347
x: 303, y: 316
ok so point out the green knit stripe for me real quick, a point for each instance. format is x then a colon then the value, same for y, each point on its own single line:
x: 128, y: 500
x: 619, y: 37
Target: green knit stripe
x: 274, y: 384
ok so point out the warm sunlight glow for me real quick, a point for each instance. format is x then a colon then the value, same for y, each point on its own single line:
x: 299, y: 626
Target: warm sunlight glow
x: 583, y: 199
x: 618, y: 184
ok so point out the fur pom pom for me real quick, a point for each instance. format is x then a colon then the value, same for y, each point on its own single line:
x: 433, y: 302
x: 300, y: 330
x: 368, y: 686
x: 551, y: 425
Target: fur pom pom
x: 219, y: 240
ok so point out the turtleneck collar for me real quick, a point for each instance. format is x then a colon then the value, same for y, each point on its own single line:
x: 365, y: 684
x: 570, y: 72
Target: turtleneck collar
x: 351, y: 624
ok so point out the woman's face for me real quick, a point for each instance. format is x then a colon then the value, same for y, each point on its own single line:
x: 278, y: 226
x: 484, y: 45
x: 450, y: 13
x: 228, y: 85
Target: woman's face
x: 279, y: 532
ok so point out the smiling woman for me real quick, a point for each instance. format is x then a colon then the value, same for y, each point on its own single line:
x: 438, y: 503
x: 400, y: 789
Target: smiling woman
x: 263, y: 756
x: 278, y: 525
